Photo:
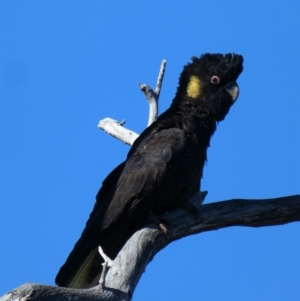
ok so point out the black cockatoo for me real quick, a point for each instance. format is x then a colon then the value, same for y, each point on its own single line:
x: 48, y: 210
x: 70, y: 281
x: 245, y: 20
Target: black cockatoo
x: 163, y: 168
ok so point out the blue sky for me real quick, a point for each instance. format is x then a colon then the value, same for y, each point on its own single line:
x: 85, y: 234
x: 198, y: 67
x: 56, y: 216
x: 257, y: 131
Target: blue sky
x: 64, y: 65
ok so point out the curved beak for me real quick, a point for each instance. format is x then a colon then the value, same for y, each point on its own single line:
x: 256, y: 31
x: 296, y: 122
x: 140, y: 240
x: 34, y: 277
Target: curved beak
x: 233, y: 89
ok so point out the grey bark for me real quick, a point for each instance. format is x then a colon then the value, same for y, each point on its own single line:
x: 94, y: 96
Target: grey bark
x: 126, y: 271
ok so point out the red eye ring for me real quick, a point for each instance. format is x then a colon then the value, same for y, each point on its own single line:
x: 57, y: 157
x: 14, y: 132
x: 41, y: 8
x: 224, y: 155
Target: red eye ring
x: 215, y: 80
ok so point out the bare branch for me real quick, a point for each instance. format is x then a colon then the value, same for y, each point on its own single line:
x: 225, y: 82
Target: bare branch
x: 146, y: 243
x: 160, y: 78
x: 107, y: 264
x: 153, y: 102
x: 132, y: 260
x: 114, y: 127
x: 153, y: 96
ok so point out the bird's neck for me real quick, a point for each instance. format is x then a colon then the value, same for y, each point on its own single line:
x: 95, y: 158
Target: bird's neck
x: 194, y: 121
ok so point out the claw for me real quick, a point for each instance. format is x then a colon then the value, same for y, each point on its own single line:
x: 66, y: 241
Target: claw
x: 160, y: 222
x: 163, y: 229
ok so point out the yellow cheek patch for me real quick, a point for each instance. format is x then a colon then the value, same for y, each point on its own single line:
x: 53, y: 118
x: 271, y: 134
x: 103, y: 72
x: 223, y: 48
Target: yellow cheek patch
x: 194, y: 87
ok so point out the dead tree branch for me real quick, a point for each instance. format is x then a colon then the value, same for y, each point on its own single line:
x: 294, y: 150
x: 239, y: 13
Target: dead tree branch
x: 115, y: 128
x: 127, y: 268
x: 152, y: 96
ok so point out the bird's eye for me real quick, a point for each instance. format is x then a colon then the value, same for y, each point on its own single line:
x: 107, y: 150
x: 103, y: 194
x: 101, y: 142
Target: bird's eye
x: 215, y: 80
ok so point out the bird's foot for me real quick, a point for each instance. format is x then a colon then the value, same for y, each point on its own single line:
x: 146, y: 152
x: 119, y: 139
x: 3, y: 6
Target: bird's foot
x: 107, y: 264
x: 160, y: 222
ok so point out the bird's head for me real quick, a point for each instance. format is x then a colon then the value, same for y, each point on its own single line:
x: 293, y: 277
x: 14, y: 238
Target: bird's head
x: 209, y: 83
